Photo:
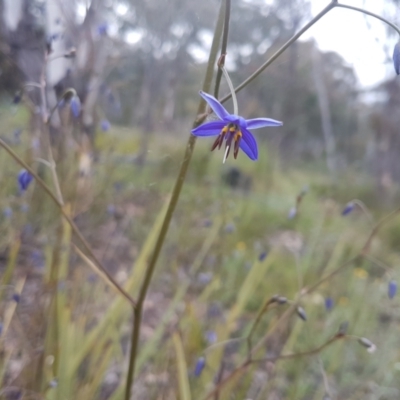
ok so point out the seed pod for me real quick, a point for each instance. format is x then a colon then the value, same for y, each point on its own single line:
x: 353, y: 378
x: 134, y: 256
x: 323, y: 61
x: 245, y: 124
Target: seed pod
x: 301, y: 313
x: 371, y: 347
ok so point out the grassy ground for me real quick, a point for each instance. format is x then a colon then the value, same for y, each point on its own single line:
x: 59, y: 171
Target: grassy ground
x: 228, y: 251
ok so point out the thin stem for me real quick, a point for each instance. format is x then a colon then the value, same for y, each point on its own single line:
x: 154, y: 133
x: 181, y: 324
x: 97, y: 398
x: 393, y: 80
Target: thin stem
x: 365, y: 210
x: 397, y: 29
x: 76, y: 230
x: 231, y: 88
x: 281, y: 50
x: 46, y: 121
x: 242, y: 368
x: 138, y: 310
x: 224, y: 46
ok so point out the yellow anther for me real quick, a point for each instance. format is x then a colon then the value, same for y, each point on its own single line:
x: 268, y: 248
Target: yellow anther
x: 238, y: 135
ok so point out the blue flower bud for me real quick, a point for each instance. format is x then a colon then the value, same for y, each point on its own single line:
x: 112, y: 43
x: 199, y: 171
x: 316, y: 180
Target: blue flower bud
x: 1, y: 328
x: 17, y: 98
x: 102, y: 29
x: 16, y: 297
x: 24, y: 179
x: 392, y: 289
x: 105, y: 125
x: 349, y: 207
x: 262, y: 256
x: 200, y: 364
x: 75, y: 105
x: 329, y: 303
x: 396, y: 58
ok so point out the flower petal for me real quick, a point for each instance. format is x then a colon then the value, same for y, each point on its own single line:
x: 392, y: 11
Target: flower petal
x: 249, y: 145
x: 212, y: 128
x: 262, y: 122
x: 216, y: 106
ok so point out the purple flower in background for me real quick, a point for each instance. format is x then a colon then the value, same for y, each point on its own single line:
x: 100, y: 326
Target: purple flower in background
x: 211, y: 337
x: 200, y: 364
x: 105, y: 125
x: 102, y: 29
x: 349, y: 207
x: 396, y: 58
x: 392, y: 289
x: 233, y: 129
x: 262, y: 256
x: 16, y: 297
x: 24, y: 179
x: 75, y: 105
x: 329, y: 303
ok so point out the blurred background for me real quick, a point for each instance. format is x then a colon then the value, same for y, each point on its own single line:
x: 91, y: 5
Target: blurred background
x: 242, y: 231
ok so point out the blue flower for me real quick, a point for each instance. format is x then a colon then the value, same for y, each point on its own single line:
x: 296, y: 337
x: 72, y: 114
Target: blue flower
x: 102, y: 29
x: 232, y: 128
x: 262, y: 256
x: 24, y: 179
x: 396, y: 58
x: 105, y: 125
x: 200, y: 364
x: 75, y: 105
x: 329, y: 303
x: 348, y: 208
x: 16, y: 297
x: 392, y: 289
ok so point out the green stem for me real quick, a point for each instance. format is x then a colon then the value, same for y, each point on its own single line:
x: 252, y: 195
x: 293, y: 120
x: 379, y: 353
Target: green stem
x: 281, y: 50
x: 224, y: 46
x: 138, y: 309
x: 75, y: 229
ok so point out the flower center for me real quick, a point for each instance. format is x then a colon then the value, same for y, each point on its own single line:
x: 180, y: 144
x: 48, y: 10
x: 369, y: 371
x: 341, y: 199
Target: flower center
x: 230, y: 132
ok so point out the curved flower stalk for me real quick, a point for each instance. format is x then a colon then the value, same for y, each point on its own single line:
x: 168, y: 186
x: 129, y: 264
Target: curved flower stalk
x: 232, y: 128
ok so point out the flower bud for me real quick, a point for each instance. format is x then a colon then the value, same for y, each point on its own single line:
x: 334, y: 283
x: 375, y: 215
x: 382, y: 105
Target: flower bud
x: 75, y: 106
x: 343, y: 328
x: 329, y: 303
x: 200, y: 364
x: 392, y: 289
x: 24, y: 179
x: 301, y: 313
x: 371, y: 347
x: 396, y: 58
x: 349, y: 207
x: 16, y: 297
x: 262, y: 256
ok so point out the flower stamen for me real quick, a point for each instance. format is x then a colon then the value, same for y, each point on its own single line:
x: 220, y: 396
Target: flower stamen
x: 226, y: 154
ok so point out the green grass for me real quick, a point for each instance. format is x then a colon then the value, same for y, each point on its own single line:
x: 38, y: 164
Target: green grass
x: 208, y: 278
